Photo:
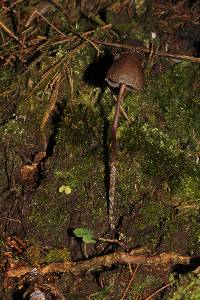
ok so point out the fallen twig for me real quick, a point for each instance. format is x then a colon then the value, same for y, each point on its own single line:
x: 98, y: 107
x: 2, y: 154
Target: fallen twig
x: 11, y: 34
x: 53, y: 99
x: 72, y: 37
x: 52, y: 68
x: 106, y: 261
x: 146, y: 50
x: 158, y: 291
x: 129, y: 284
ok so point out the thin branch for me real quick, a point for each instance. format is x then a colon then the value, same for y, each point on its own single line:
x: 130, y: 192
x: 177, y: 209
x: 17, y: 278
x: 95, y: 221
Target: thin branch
x: 123, y: 111
x: 11, y: 34
x: 113, y: 241
x: 130, y: 282
x: 71, y: 38
x: 106, y: 261
x: 158, y: 291
x: 53, y: 100
x: 53, y: 68
x: 146, y: 50
x: 10, y: 219
x: 50, y: 24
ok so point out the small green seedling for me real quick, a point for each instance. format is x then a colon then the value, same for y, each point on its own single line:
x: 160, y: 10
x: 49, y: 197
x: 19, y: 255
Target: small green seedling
x: 87, y: 237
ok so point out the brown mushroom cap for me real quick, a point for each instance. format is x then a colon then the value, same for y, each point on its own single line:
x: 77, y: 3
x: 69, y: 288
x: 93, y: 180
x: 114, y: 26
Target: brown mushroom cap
x: 126, y: 69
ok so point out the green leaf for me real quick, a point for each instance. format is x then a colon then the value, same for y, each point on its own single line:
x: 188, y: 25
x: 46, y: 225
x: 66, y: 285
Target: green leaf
x: 80, y: 232
x: 85, y: 234
x: 88, y: 239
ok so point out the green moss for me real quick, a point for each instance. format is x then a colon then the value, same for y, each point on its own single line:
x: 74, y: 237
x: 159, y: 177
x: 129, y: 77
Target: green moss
x: 6, y: 77
x: 33, y: 255
x: 189, y: 190
x: 120, y: 23
x: 187, y: 289
x: 123, y: 23
x: 157, y: 152
x: 143, y: 285
x: 101, y: 295
x: 79, y: 150
x: 13, y: 131
x: 57, y: 255
x: 170, y: 132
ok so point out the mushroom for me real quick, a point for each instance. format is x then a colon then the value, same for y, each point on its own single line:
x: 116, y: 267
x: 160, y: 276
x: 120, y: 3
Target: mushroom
x: 125, y: 73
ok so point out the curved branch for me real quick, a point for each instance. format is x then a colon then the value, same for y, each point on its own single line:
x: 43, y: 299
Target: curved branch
x: 106, y: 261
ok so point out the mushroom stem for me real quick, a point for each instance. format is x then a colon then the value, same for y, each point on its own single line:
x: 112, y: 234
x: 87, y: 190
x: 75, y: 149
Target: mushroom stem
x: 114, y: 157
x: 117, y: 110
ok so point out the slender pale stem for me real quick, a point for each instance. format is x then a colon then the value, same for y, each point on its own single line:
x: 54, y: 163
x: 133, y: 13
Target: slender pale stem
x: 114, y: 157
